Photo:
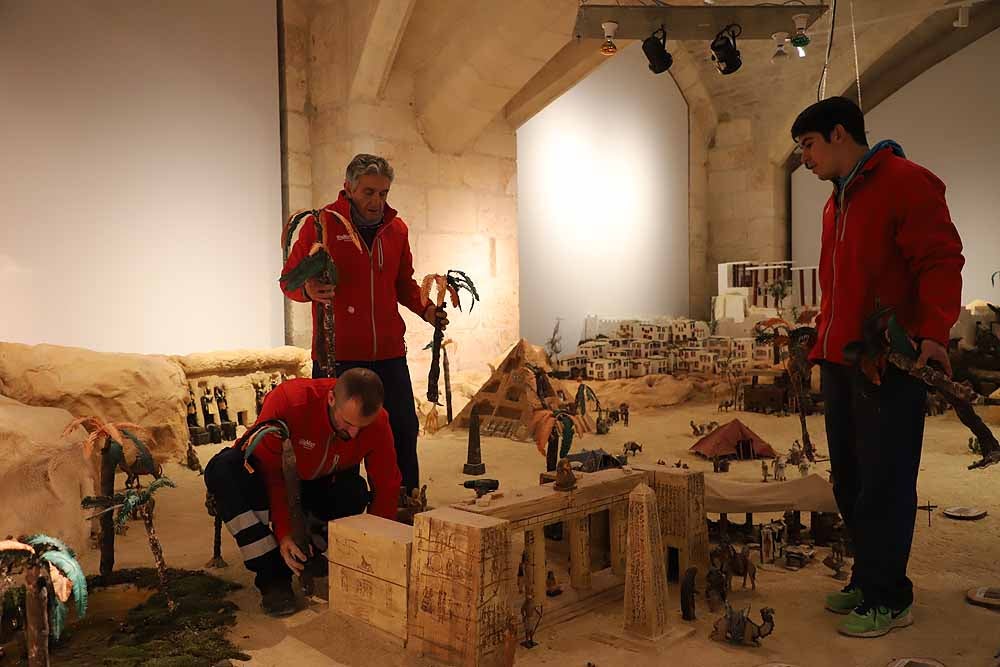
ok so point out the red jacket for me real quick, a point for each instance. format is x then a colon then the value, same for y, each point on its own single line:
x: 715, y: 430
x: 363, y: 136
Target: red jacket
x: 888, y: 240
x: 302, y: 405
x: 366, y: 319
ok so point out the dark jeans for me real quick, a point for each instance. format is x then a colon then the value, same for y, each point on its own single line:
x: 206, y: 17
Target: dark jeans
x: 399, y: 404
x: 875, y: 435
x: 242, y: 502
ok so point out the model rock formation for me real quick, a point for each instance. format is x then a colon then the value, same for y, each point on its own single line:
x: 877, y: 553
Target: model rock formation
x: 43, y: 477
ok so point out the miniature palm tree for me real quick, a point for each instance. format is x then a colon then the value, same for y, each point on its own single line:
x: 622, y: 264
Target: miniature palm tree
x: 583, y: 393
x: 552, y: 427
x: 553, y: 346
x: 778, y: 290
x: 448, y: 285
x: 119, y: 448
x: 139, y: 500
x: 797, y: 340
x: 51, y: 574
x: 319, y: 265
x: 447, y: 376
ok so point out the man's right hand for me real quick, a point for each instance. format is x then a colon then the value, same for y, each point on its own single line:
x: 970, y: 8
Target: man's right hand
x: 319, y: 291
x: 292, y: 555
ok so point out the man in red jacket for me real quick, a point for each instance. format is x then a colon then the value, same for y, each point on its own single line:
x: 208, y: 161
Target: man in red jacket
x: 888, y: 240
x: 370, y: 246
x: 333, y: 426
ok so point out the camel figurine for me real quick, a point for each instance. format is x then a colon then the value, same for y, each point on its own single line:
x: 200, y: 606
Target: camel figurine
x: 736, y: 627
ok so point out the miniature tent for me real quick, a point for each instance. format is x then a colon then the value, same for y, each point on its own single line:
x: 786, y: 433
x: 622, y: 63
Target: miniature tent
x: 508, y: 401
x: 807, y: 494
x: 733, y: 439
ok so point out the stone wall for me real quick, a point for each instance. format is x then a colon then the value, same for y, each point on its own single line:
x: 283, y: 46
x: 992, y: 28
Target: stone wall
x: 461, y: 210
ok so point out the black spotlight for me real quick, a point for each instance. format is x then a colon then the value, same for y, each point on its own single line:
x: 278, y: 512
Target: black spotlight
x: 724, y: 52
x: 655, y: 48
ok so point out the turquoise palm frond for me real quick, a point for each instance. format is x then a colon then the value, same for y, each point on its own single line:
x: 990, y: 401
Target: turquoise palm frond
x: 130, y: 503
x: 158, y: 484
x: 57, y: 616
x: 40, y: 540
x: 70, y: 567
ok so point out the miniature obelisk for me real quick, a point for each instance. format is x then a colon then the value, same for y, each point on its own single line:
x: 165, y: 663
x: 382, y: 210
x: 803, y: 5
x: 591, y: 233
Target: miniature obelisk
x: 474, y: 459
x: 646, y: 594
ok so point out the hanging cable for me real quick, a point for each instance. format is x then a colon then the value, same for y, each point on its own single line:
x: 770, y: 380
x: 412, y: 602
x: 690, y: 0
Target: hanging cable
x: 821, y: 87
x: 857, y: 67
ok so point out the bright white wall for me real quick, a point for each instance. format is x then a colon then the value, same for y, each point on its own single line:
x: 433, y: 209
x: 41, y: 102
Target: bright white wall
x: 140, y: 183
x: 946, y: 120
x: 602, y: 178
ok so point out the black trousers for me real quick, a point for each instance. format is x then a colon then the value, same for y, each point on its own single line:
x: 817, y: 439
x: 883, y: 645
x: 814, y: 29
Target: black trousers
x: 242, y: 502
x: 875, y: 434
x: 395, y: 376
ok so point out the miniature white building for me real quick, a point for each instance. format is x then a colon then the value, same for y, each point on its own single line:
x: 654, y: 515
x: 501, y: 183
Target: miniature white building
x: 593, y: 349
x: 660, y: 364
x: 604, y: 369
x: 638, y: 368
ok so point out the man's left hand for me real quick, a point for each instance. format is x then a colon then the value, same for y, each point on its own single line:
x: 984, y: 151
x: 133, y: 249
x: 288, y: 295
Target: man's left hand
x: 436, y: 316
x: 931, y: 350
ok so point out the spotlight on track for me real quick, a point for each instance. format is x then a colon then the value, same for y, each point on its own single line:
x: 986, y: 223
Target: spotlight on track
x: 655, y: 48
x: 608, y: 48
x: 725, y: 55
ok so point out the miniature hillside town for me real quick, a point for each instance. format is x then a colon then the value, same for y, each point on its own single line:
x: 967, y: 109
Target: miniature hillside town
x: 615, y: 349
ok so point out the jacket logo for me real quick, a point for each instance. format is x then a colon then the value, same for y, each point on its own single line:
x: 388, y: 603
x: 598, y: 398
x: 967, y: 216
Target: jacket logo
x: 307, y: 444
x: 343, y: 237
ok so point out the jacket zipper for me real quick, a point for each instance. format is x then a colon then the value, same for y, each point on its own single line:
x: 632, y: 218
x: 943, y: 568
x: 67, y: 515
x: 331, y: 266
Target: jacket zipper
x: 371, y: 267
x: 839, y: 231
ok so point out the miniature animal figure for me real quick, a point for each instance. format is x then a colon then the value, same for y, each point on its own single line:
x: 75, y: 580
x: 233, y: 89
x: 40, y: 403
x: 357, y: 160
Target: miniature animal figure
x: 765, y: 473
x: 661, y: 462
x: 697, y: 429
x: 795, y: 454
x: 836, y: 561
x: 603, y: 425
x: 804, y: 468
x: 631, y: 448
x: 411, y: 504
x: 779, y: 468
x: 736, y: 627
x: 552, y: 588
x: 715, y: 588
x: 614, y: 416
x: 192, y: 462
x: 565, y: 479
x: 742, y: 565
x: 711, y: 427
x: 725, y: 405
x: 688, y: 593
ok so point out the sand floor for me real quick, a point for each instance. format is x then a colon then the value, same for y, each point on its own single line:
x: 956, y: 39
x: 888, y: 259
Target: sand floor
x: 948, y: 558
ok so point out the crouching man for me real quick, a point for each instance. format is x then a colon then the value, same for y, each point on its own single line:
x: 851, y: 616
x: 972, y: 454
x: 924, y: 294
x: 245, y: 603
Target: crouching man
x: 333, y: 425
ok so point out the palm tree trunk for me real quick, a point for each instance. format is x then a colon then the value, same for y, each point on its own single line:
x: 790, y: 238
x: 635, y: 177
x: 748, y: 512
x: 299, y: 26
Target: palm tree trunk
x: 107, y: 482
x: 447, y: 382
x: 36, y: 605
x: 157, y: 549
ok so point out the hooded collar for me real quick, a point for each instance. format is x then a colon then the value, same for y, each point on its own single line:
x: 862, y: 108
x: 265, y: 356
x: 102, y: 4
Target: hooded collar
x: 343, y: 207
x: 875, y: 155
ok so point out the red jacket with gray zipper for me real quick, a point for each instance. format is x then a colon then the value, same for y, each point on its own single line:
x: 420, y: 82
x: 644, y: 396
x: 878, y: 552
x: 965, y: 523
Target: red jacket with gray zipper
x: 370, y: 283
x: 888, y: 240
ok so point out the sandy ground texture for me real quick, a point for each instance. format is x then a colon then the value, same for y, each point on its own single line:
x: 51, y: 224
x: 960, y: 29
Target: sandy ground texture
x: 948, y: 558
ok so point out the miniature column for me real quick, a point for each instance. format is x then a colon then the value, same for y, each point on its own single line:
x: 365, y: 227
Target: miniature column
x: 474, y: 459
x: 534, y: 571
x: 460, y: 588
x: 646, y: 594
x: 618, y: 518
x: 579, y: 552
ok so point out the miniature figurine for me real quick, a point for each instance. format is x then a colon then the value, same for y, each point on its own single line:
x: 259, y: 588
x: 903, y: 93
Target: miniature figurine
x: 804, y: 468
x: 779, y: 469
x: 623, y: 411
x: 552, y: 588
x: 725, y: 405
x: 259, y: 394
x: 715, y: 588
x: 223, y: 405
x: 531, y: 616
x: 710, y: 427
x: 661, y: 462
x: 206, y: 412
x: 688, y: 593
x: 795, y: 454
x: 696, y: 429
x: 764, y: 471
x: 192, y: 410
x: 736, y: 627
x: 631, y: 448
x: 836, y: 561
x: 565, y: 479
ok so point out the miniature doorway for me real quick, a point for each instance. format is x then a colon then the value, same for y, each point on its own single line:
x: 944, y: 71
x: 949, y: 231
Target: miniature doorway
x: 744, y: 449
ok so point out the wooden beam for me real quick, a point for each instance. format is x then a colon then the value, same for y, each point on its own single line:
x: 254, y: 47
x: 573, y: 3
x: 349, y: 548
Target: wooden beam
x: 382, y: 27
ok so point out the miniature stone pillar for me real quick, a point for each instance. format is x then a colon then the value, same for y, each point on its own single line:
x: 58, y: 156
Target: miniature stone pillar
x: 534, y: 571
x: 579, y: 552
x: 766, y: 544
x: 646, y: 595
x: 460, y: 588
x: 618, y: 518
x: 474, y: 459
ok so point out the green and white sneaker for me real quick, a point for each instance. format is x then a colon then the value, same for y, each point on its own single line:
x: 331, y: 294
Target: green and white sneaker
x: 844, y: 601
x: 874, y: 621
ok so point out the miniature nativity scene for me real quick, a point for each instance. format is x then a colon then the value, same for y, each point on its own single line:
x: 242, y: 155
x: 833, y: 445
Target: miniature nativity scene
x: 647, y: 484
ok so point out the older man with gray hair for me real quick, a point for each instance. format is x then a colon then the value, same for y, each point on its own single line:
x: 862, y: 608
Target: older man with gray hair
x: 370, y: 246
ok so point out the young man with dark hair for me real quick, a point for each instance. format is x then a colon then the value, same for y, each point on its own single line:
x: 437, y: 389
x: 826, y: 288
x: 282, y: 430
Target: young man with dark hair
x: 888, y: 240
x: 370, y: 246
x: 333, y: 426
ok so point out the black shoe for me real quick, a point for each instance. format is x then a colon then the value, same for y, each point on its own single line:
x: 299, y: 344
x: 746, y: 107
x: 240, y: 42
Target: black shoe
x: 279, y: 600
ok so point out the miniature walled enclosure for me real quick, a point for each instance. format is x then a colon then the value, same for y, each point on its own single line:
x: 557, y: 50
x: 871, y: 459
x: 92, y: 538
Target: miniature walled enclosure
x: 448, y: 588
